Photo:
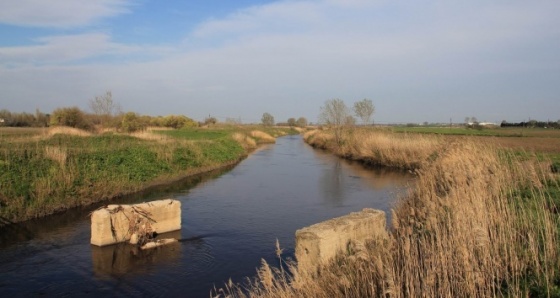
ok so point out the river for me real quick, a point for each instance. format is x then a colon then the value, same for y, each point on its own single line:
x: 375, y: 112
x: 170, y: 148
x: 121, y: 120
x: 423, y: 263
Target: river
x: 230, y: 220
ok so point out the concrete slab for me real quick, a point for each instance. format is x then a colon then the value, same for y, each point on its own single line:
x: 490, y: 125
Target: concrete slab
x: 117, y: 223
x: 319, y: 243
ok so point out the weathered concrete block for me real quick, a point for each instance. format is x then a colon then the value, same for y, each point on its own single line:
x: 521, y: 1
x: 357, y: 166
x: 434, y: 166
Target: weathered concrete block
x: 319, y: 243
x: 116, y: 223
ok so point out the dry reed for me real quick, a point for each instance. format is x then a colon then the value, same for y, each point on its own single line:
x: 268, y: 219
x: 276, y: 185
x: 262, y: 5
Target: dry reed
x: 150, y: 136
x: 245, y: 141
x: 67, y: 131
x: 57, y: 154
x: 262, y: 137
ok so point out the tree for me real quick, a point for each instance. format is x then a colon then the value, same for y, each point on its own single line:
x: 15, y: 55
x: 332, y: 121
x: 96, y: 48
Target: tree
x: 104, y: 107
x: 335, y: 115
x: 73, y: 117
x: 132, y: 122
x: 267, y: 119
x: 364, y: 109
x: 210, y: 121
x: 301, y: 122
x: 292, y: 122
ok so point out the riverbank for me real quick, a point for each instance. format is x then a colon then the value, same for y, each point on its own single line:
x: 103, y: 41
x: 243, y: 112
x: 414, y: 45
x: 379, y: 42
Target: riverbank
x: 480, y: 221
x: 43, y: 172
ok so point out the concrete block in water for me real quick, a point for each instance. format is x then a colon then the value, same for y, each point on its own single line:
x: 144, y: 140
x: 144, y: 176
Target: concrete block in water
x: 319, y: 243
x: 117, y: 223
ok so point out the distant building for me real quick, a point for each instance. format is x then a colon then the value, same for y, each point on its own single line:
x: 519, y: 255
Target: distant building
x: 471, y: 124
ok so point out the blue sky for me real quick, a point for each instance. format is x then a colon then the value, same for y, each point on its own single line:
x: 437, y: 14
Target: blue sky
x: 416, y: 60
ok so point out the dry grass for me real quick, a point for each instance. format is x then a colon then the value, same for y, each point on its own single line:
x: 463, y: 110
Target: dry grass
x: 149, y: 136
x: 68, y: 131
x: 476, y: 224
x: 381, y: 147
x: 262, y: 137
x: 57, y: 154
x: 246, y: 141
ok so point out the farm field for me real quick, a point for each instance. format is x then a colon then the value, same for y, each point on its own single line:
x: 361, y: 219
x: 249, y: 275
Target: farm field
x: 543, y: 142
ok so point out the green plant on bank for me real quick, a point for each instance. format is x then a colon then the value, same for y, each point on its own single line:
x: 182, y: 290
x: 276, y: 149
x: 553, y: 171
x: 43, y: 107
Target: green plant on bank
x: 478, y: 222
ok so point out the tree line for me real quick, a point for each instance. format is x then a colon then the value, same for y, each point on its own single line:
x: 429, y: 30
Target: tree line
x: 105, y: 114
x: 532, y: 123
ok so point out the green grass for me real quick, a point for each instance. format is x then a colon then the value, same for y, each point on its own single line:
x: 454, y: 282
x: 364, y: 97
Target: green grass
x: 197, y: 134
x: 88, y: 169
x: 497, y: 132
x: 40, y: 175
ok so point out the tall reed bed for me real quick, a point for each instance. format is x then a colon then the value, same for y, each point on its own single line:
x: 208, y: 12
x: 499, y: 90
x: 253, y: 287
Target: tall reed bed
x: 479, y: 222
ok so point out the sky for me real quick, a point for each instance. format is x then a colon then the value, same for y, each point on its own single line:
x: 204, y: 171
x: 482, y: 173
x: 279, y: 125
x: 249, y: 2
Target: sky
x: 433, y: 60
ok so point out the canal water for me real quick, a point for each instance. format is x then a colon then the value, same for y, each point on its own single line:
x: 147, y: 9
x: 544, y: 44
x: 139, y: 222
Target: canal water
x: 230, y: 220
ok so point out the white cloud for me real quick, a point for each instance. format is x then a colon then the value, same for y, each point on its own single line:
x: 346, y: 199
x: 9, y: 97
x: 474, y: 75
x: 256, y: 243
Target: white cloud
x: 59, y: 13
x: 63, y: 49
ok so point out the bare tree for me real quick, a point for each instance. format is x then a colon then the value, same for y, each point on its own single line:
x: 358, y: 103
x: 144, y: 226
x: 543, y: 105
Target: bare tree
x: 104, y: 107
x: 267, y: 119
x: 364, y: 109
x: 335, y: 114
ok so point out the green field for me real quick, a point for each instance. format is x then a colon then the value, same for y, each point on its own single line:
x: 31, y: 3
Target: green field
x: 497, y: 132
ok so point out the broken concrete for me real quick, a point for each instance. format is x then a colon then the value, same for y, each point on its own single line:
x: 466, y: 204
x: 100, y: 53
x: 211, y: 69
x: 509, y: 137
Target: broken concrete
x: 158, y: 243
x: 319, y: 243
x: 117, y: 223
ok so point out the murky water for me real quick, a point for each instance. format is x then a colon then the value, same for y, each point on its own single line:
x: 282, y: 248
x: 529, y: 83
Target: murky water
x: 230, y: 220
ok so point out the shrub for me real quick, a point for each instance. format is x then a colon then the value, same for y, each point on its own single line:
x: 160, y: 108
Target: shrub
x: 132, y: 122
x: 73, y: 117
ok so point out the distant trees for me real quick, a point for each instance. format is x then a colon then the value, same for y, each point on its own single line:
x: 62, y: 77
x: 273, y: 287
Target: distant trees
x: 72, y: 117
x: 334, y: 113
x: 301, y: 122
x: 292, y: 122
x: 24, y: 119
x: 267, y: 119
x: 364, y: 110
x: 210, y: 121
x: 532, y: 123
x: 472, y: 120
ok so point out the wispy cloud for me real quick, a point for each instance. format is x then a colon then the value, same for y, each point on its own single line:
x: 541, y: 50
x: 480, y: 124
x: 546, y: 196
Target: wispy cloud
x: 59, y: 13
x: 64, y: 49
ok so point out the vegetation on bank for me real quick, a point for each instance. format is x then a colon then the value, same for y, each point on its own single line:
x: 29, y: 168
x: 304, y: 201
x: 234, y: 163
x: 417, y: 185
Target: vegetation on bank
x: 45, y: 170
x: 480, y: 221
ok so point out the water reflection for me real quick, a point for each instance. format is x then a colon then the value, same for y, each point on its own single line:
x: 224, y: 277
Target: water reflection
x: 332, y: 184
x: 119, y: 259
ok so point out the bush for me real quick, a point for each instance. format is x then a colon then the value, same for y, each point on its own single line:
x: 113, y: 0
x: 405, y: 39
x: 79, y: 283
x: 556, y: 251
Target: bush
x: 178, y: 121
x: 72, y: 117
x: 132, y: 122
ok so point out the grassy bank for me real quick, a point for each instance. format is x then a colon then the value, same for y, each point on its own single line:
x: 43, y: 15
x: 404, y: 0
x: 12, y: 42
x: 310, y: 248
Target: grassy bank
x: 44, y: 171
x: 480, y: 221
